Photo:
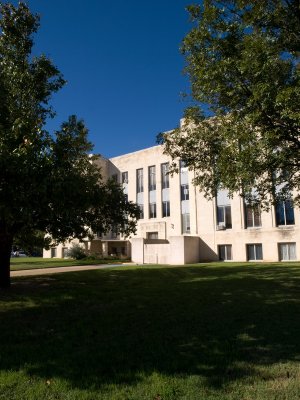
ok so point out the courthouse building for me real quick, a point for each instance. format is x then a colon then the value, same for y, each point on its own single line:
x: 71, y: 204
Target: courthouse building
x: 178, y: 225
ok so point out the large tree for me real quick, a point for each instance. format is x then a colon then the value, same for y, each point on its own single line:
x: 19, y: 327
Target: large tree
x: 242, y: 60
x: 48, y: 182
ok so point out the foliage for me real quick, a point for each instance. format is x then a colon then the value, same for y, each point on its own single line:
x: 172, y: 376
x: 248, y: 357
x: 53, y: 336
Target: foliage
x: 76, y: 251
x: 242, y: 59
x: 32, y: 242
x: 48, y: 182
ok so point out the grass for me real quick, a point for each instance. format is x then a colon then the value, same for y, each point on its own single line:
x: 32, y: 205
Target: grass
x: 22, y: 263
x: 211, y: 332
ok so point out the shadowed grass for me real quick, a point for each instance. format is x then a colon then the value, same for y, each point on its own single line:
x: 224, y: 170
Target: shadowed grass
x: 197, y: 332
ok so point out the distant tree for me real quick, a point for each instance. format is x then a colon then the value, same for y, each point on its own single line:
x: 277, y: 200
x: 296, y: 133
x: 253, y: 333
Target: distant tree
x: 48, y: 182
x: 32, y: 242
x: 242, y: 59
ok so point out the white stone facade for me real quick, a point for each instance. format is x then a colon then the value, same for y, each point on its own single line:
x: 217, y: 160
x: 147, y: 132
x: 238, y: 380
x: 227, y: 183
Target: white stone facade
x: 180, y: 226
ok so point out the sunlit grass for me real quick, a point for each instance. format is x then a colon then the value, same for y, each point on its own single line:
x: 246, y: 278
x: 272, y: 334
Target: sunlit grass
x: 22, y: 263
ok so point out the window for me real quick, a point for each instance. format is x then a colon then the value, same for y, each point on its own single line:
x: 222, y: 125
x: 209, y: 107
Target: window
x: 254, y: 252
x: 287, y: 251
x: 152, y: 210
x: 165, y: 208
x: 165, y: 176
x: 253, y: 216
x: 152, y: 178
x: 114, y: 232
x: 139, y: 191
x: 223, y: 210
x: 186, y: 228
x: 124, y: 177
x: 139, y: 180
x: 225, y: 252
x: 115, y: 178
x: 185, y: 195
x: 53, y: 252
x: 64, y: 252
x: 224, y: 216
x: 141, y: 210
x: 165, y: 190
x: 285, y: 213
x: 152, y: 235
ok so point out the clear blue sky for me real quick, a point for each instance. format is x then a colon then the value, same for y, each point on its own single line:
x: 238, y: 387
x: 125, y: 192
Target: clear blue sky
x: 123, y: 66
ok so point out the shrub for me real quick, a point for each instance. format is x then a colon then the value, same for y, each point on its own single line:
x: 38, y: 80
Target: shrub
x: 76, y: 252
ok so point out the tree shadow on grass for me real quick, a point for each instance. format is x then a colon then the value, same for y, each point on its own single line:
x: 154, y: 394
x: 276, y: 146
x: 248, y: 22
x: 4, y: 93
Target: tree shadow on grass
x: 96, y: 328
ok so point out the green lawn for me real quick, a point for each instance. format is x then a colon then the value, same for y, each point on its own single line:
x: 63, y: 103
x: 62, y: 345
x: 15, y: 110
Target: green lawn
x: 212, y: 332
x: 39, y: 262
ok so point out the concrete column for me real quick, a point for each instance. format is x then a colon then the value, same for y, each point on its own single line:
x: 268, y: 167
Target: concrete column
x: 137, y: 250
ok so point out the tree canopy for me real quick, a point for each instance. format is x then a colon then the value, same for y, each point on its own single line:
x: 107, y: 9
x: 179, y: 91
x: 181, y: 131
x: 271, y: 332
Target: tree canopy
x: 242, y: 60
x: 48, y: 182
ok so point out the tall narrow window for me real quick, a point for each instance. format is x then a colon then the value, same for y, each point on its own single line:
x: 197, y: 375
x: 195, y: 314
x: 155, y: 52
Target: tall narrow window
x: 152, y: 210
x: 165, y: 175
x: 125, y: 178
x: 223, y: 210
x: 166, y: 208
x: 140, y: 191
x: 125, y: 183
x: 184, y: 197
x: 254, y: 252
x: 152, y: 178
x: 165, y: 190
x: 139, y: 180
x: 152, y: 191
x: 285, y: 213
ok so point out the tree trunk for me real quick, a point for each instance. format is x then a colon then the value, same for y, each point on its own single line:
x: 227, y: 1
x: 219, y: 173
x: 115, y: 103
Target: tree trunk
x: 5, y: 252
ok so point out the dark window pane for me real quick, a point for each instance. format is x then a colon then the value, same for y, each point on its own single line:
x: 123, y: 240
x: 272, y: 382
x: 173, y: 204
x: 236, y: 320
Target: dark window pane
x: 141, y: 211
x: 251, y: 252
x: 259, y: 255
x: 166, y: 208
x: 280, y: 220
x: 152, y: 235
x: 229, y: 255
x: 289, y: 212
x: 185, y: 192
x: 220, y: 215
x: 152, y: 210
x: 228, y: 217
x: 222, y: 253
